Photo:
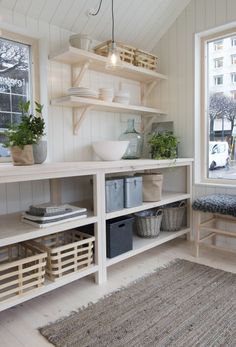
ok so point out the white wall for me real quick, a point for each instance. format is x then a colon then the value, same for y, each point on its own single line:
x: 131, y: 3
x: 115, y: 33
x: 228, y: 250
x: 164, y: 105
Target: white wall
x: 55, y: 80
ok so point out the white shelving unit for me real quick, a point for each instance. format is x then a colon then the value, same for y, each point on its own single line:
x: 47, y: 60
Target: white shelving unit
x: 88, y: 60
x: 14, y: 231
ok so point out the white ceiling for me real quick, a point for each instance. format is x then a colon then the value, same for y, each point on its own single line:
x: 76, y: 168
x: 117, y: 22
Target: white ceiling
x: 140, y: 23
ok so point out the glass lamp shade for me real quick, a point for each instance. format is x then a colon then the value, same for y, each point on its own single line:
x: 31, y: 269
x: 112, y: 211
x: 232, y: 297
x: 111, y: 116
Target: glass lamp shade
x: 113, y: 59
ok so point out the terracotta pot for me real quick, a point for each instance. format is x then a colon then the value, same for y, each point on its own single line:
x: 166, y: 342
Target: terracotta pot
x: 22, y: 156
x: 40, y: 152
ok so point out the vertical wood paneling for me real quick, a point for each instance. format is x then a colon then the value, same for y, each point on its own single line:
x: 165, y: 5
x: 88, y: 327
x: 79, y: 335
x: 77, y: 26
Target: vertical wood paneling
x: 221, y: 11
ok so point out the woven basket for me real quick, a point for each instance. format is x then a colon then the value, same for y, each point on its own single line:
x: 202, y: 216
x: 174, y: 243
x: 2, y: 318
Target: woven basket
x: 173, y: 217
x: 126, y: 52
x: 148, y: 224
x: 145, y: 60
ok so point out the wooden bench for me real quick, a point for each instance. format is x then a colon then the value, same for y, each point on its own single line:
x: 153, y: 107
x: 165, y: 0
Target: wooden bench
x: 223, y: 208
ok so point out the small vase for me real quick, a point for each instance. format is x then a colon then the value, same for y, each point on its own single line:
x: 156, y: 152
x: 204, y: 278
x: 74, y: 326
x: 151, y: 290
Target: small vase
x: 22, y: 156
x: 134, y: 150
x: 40, y: 152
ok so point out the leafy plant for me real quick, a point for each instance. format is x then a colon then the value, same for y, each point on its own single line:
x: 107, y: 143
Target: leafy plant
x: 163, y: 145
x: 29, y: 130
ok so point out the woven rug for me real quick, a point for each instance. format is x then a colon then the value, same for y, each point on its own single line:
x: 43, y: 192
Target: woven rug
x: 182, y: 305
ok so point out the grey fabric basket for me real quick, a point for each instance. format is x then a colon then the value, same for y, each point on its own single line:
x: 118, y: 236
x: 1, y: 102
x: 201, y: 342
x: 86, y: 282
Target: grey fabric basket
x: 148, y: 223
x: 173, y: 217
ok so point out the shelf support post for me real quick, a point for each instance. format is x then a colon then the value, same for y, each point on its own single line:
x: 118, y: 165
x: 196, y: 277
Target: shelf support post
x: 77, y: 79
x: 78, y: 119
x: 146, y: 90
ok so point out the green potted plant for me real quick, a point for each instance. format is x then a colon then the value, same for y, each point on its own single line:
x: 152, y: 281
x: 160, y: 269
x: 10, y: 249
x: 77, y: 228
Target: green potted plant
x: 23, y: 136
x: 163, y: 145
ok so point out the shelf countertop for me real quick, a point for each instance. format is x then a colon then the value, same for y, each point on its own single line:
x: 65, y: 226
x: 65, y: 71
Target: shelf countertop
x: 10, y: 173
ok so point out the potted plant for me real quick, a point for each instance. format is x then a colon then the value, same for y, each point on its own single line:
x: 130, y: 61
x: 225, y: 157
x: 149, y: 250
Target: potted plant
x: 23, y: 136
x: 163, y: 145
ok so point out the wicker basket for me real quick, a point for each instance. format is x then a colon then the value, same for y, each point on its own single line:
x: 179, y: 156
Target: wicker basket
x: 68, y: 251
x: 173, y: 217
x: 145, y: 60
x: 22, y: 269
x: 126, y: 52
x: 148, y: 223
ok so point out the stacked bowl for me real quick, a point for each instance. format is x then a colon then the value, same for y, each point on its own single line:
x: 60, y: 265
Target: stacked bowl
x: 122, y: 97
x: 106, y: 94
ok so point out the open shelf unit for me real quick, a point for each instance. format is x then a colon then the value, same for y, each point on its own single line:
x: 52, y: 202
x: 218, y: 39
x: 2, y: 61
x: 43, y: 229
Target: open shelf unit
x: 14, y: 231
x: 87, y: 60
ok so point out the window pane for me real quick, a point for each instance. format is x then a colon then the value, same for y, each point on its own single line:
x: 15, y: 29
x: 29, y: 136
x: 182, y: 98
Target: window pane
x: 221, y: 151
x: 14, y: 83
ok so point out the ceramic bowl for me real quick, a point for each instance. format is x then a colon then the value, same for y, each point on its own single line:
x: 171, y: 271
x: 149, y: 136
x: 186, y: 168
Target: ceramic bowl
x: 110, y: 150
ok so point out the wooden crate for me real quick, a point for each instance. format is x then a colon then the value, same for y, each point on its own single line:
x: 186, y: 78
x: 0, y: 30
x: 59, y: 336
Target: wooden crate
x: 126, y: 52
x: 145, y: 60
x: 22, y: 269
x: 67, y: 252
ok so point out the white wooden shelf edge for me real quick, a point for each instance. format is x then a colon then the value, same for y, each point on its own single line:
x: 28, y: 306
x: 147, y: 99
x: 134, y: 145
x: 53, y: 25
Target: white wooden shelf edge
x: 72, y: 55
x: 14, y: 231
x: 48, y: 286
x: 141, y: 244
x: 99, y: 105
x: 167, y: 198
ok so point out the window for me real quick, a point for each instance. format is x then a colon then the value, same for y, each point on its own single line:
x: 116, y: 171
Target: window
x: 16, y: 81
x: 233, y: 59
x: 218, y: 80
x: 218, y: 45
x: 217, y: 147
x: 233, y: 77
x: 233, y: 41
x: 218, y: 62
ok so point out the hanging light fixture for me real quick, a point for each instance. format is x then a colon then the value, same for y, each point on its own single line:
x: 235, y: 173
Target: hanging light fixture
x: 113, y: 59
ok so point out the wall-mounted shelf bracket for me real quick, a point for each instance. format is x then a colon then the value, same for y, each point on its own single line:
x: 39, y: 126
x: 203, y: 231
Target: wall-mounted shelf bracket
x: 79, y: 115
x: 146, y: 90
x: 76, y: 79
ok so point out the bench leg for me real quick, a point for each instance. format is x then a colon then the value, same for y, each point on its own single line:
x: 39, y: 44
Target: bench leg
x: 197, y: 222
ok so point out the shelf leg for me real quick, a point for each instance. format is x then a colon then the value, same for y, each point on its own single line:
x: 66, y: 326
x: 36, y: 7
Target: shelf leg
x: 77, y: 79
x: 100, y: 226
x: 55, y: 190
x: 78, y: 119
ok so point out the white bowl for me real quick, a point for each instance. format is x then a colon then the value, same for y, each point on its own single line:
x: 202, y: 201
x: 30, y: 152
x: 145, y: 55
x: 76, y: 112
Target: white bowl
x: 121, y: 100
x: 110, y: 150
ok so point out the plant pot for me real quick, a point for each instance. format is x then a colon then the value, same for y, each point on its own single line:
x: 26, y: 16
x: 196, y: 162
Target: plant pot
x: 22, y: 156
x: 40, y: 152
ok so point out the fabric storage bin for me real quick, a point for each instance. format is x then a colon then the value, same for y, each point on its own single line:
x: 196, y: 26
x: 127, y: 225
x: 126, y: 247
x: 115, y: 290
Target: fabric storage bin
x: 152, y: 186
x: 68, y: 251
x: 22, y: 269
x: 148, y: 223
x: 119, y: 233
x: 114, y: 194
x: 173, y: 216
x: 133, y: 191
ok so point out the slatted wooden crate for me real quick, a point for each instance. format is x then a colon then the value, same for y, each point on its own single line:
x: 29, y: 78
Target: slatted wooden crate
x: 22, y: 269
x: 145, y: 60
x: 68, y: 251
x: 126, y: 52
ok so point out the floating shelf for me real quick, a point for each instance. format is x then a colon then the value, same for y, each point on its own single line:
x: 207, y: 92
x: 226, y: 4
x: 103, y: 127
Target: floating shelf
x: 72, y: 55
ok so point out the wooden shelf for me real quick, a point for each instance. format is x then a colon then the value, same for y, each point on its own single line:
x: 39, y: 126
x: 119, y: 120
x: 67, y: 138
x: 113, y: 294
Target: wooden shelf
x: 141, y: 244
x: 99, y: 105
x: 71, y: 55
x: 167, y: 198
x: 48, y: 286
x: 13, y: 230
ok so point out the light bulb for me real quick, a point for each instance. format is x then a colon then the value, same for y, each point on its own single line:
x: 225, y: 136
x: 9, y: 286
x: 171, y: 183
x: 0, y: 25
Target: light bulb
x: 113, y: 59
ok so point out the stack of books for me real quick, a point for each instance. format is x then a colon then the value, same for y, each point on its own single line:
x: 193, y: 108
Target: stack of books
x: 45, y: 215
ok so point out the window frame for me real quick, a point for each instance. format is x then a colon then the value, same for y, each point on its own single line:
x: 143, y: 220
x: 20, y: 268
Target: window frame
x: 34, y: 55
x: 201, y: 111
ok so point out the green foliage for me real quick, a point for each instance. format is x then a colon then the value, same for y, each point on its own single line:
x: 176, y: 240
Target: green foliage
x: 29, y: 130
x: 163, y: 145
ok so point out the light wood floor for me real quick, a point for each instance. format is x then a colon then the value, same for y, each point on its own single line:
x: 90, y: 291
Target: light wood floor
x: 18, y: 325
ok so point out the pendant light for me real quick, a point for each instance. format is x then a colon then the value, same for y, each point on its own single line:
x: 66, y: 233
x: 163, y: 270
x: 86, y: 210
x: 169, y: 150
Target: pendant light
x: 113, y: 59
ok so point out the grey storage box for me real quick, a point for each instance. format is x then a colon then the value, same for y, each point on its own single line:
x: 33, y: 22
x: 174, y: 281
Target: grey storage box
x: 133, y: 191
x: 119, y: 234
x: 152, y: 186
x: 114, y: 194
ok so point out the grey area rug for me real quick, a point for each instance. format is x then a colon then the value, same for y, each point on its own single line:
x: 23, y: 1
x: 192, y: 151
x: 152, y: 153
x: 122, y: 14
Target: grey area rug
x: 183, y: 305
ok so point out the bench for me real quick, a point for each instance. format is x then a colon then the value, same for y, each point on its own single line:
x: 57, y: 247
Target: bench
x: 223, y: 208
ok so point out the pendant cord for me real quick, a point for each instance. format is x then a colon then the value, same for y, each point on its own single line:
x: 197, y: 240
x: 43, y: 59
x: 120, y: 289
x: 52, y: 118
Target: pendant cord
x: 113, y: 24
x: 99, y: 7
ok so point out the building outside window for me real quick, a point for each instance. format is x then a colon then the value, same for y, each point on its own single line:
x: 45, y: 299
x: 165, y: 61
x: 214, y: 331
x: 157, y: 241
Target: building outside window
x: 233, y: 94
x: 233, y: 77
x: 218, y: 62
x: 218, y: 45
x: 233, y: 59
x: 218, y: 80
x: 16, y: 83
x: 233, y: 41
